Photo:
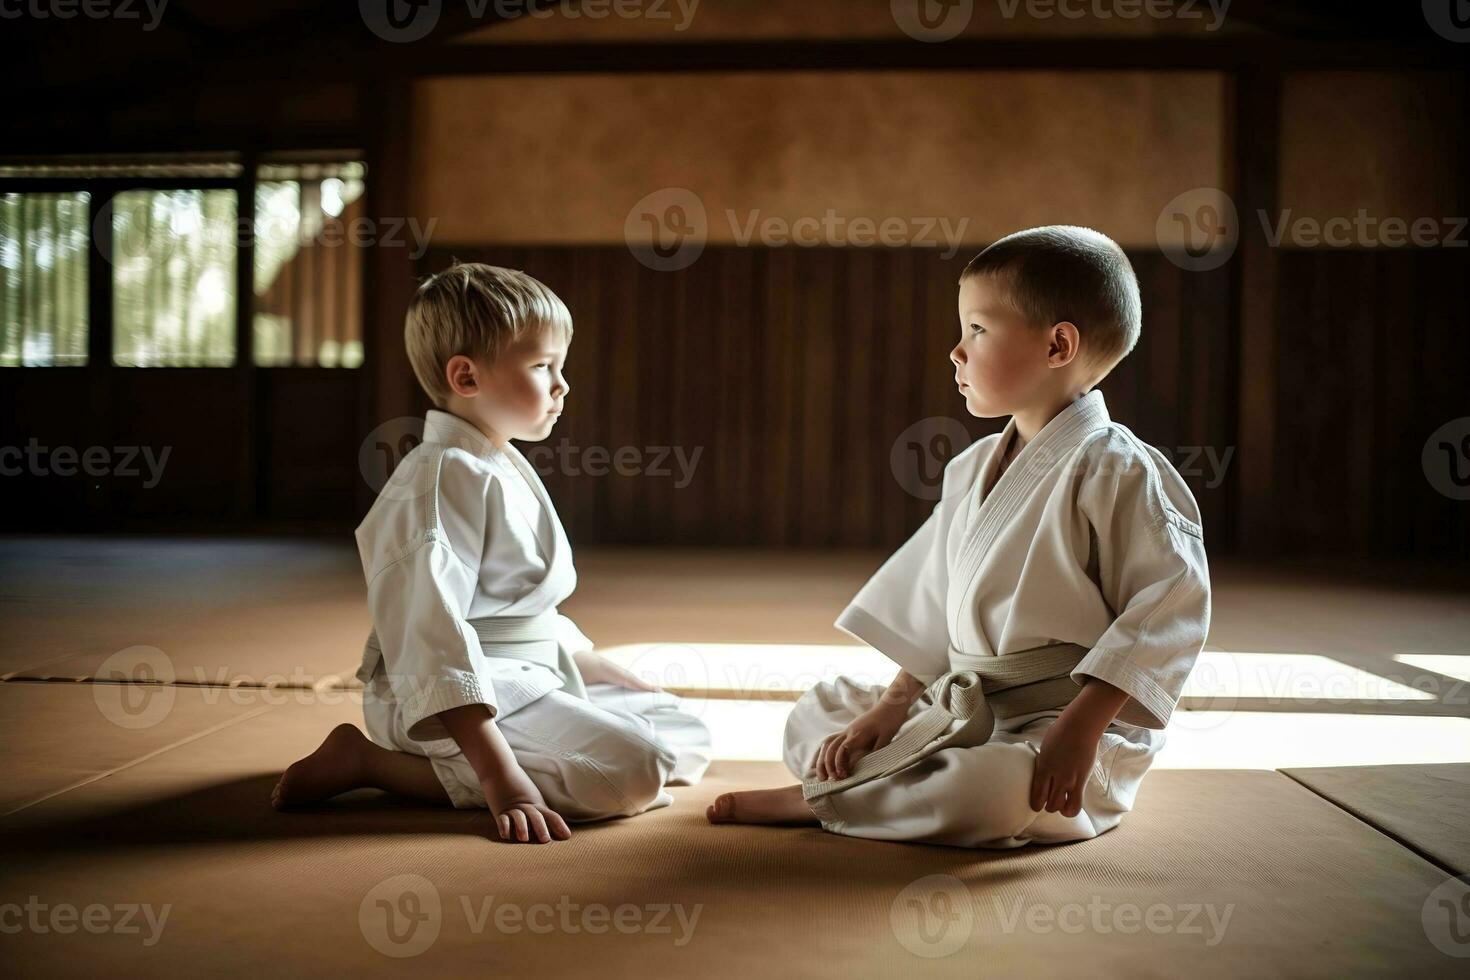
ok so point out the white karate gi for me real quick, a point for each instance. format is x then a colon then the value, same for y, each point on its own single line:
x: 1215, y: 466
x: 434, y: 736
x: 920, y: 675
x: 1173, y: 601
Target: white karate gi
x: 1090, y: 538
x: 466, y: 562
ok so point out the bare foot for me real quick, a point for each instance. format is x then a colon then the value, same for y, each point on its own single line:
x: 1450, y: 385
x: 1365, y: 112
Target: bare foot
x: 335, y: 767
x: 779, y: 807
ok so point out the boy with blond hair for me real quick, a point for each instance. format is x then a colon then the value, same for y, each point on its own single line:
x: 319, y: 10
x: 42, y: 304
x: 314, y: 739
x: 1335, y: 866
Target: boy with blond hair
x: 478, y: 693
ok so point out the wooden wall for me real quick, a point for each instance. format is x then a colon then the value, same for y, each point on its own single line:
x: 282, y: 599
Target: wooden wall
x: 794, y: 370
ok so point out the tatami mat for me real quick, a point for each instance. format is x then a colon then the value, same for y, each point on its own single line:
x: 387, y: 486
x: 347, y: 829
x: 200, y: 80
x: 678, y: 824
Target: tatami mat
x: 62, y: 735
x: 269, y: 612
x: 1217, y: 873
x: 1426, y: 808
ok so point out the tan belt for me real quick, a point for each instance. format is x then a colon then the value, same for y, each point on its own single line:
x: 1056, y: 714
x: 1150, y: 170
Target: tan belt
x: 962, y: 706
x: 529, y: 638
x: 1027, y: 681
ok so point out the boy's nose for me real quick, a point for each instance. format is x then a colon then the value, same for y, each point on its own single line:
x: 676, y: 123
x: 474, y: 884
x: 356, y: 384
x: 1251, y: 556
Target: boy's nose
x: 957, y: 356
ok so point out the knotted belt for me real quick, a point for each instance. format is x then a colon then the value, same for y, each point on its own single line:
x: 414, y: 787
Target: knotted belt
x: 962, y: 707
x: 530, y: 638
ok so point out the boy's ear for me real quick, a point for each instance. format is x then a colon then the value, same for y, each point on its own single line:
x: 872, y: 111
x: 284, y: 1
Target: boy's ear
x: 1066, y: 342
x: 463, y: 376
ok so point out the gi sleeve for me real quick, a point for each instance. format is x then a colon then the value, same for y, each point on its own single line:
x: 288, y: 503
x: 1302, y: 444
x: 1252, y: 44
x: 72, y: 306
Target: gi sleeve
x: 1153, y: 573
x: 420, y: 601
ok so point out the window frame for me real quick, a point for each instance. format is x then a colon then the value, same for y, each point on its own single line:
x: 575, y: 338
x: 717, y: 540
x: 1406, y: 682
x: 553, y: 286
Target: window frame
x: 102, y: 190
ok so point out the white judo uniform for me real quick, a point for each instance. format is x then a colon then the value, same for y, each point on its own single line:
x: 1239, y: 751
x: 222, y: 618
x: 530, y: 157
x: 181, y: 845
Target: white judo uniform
x: 1085, y: 559
x: 466, y: 563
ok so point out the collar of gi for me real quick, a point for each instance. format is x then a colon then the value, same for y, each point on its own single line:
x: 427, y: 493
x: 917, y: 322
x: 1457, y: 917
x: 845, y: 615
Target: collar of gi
x: 448, y: 429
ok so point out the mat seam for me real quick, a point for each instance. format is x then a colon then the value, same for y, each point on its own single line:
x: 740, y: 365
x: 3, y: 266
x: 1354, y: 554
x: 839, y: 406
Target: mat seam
x: 1343, y: 807
x: 140, y: 759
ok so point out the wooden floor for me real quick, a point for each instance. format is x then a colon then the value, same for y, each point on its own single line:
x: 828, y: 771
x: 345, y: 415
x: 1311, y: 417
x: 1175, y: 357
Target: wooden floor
x: 1306, y: 817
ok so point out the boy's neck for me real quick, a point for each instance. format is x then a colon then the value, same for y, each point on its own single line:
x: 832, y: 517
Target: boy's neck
x: 1034, y: 418
x: 456, y: 407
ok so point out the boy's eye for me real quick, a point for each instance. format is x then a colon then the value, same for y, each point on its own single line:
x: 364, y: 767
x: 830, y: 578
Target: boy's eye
x: 977, y: 328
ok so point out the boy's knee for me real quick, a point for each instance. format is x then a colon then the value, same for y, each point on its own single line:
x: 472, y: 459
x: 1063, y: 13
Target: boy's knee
x: 624, y: 774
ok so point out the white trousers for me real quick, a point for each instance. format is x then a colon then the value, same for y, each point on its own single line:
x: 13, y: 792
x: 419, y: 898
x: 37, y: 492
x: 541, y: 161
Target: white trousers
x: 608, y: 756
x: 977, y: 796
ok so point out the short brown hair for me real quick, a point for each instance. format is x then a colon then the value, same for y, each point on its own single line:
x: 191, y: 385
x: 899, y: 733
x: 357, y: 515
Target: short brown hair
x: 477, y: 310
x: 1066, y: 272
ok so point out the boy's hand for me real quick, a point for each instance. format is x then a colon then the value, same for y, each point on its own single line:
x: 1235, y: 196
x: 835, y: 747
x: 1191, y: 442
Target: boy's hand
x: 1063, y: 768
x: 869, y: 732
x: 597, y: 669
x: 520, y: 811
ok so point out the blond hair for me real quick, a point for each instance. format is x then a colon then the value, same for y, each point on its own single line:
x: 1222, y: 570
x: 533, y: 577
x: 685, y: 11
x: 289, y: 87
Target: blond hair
x: 476, y: 310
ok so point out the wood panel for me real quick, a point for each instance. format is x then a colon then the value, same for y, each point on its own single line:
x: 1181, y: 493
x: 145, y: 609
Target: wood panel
x: 1373, y: 350
x: 793, y: 370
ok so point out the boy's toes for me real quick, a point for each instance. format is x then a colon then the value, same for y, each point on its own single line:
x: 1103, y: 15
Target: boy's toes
x: 722, y: 809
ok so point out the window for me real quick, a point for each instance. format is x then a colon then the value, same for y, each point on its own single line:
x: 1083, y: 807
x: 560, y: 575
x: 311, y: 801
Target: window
x: 152, y: 245
x: 44, y: 246
x: 308, y: 264
x: 173, y: 278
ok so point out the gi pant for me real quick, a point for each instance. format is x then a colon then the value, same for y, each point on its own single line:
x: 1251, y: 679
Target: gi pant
x: 977, y: 796
x: 608, y: 756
